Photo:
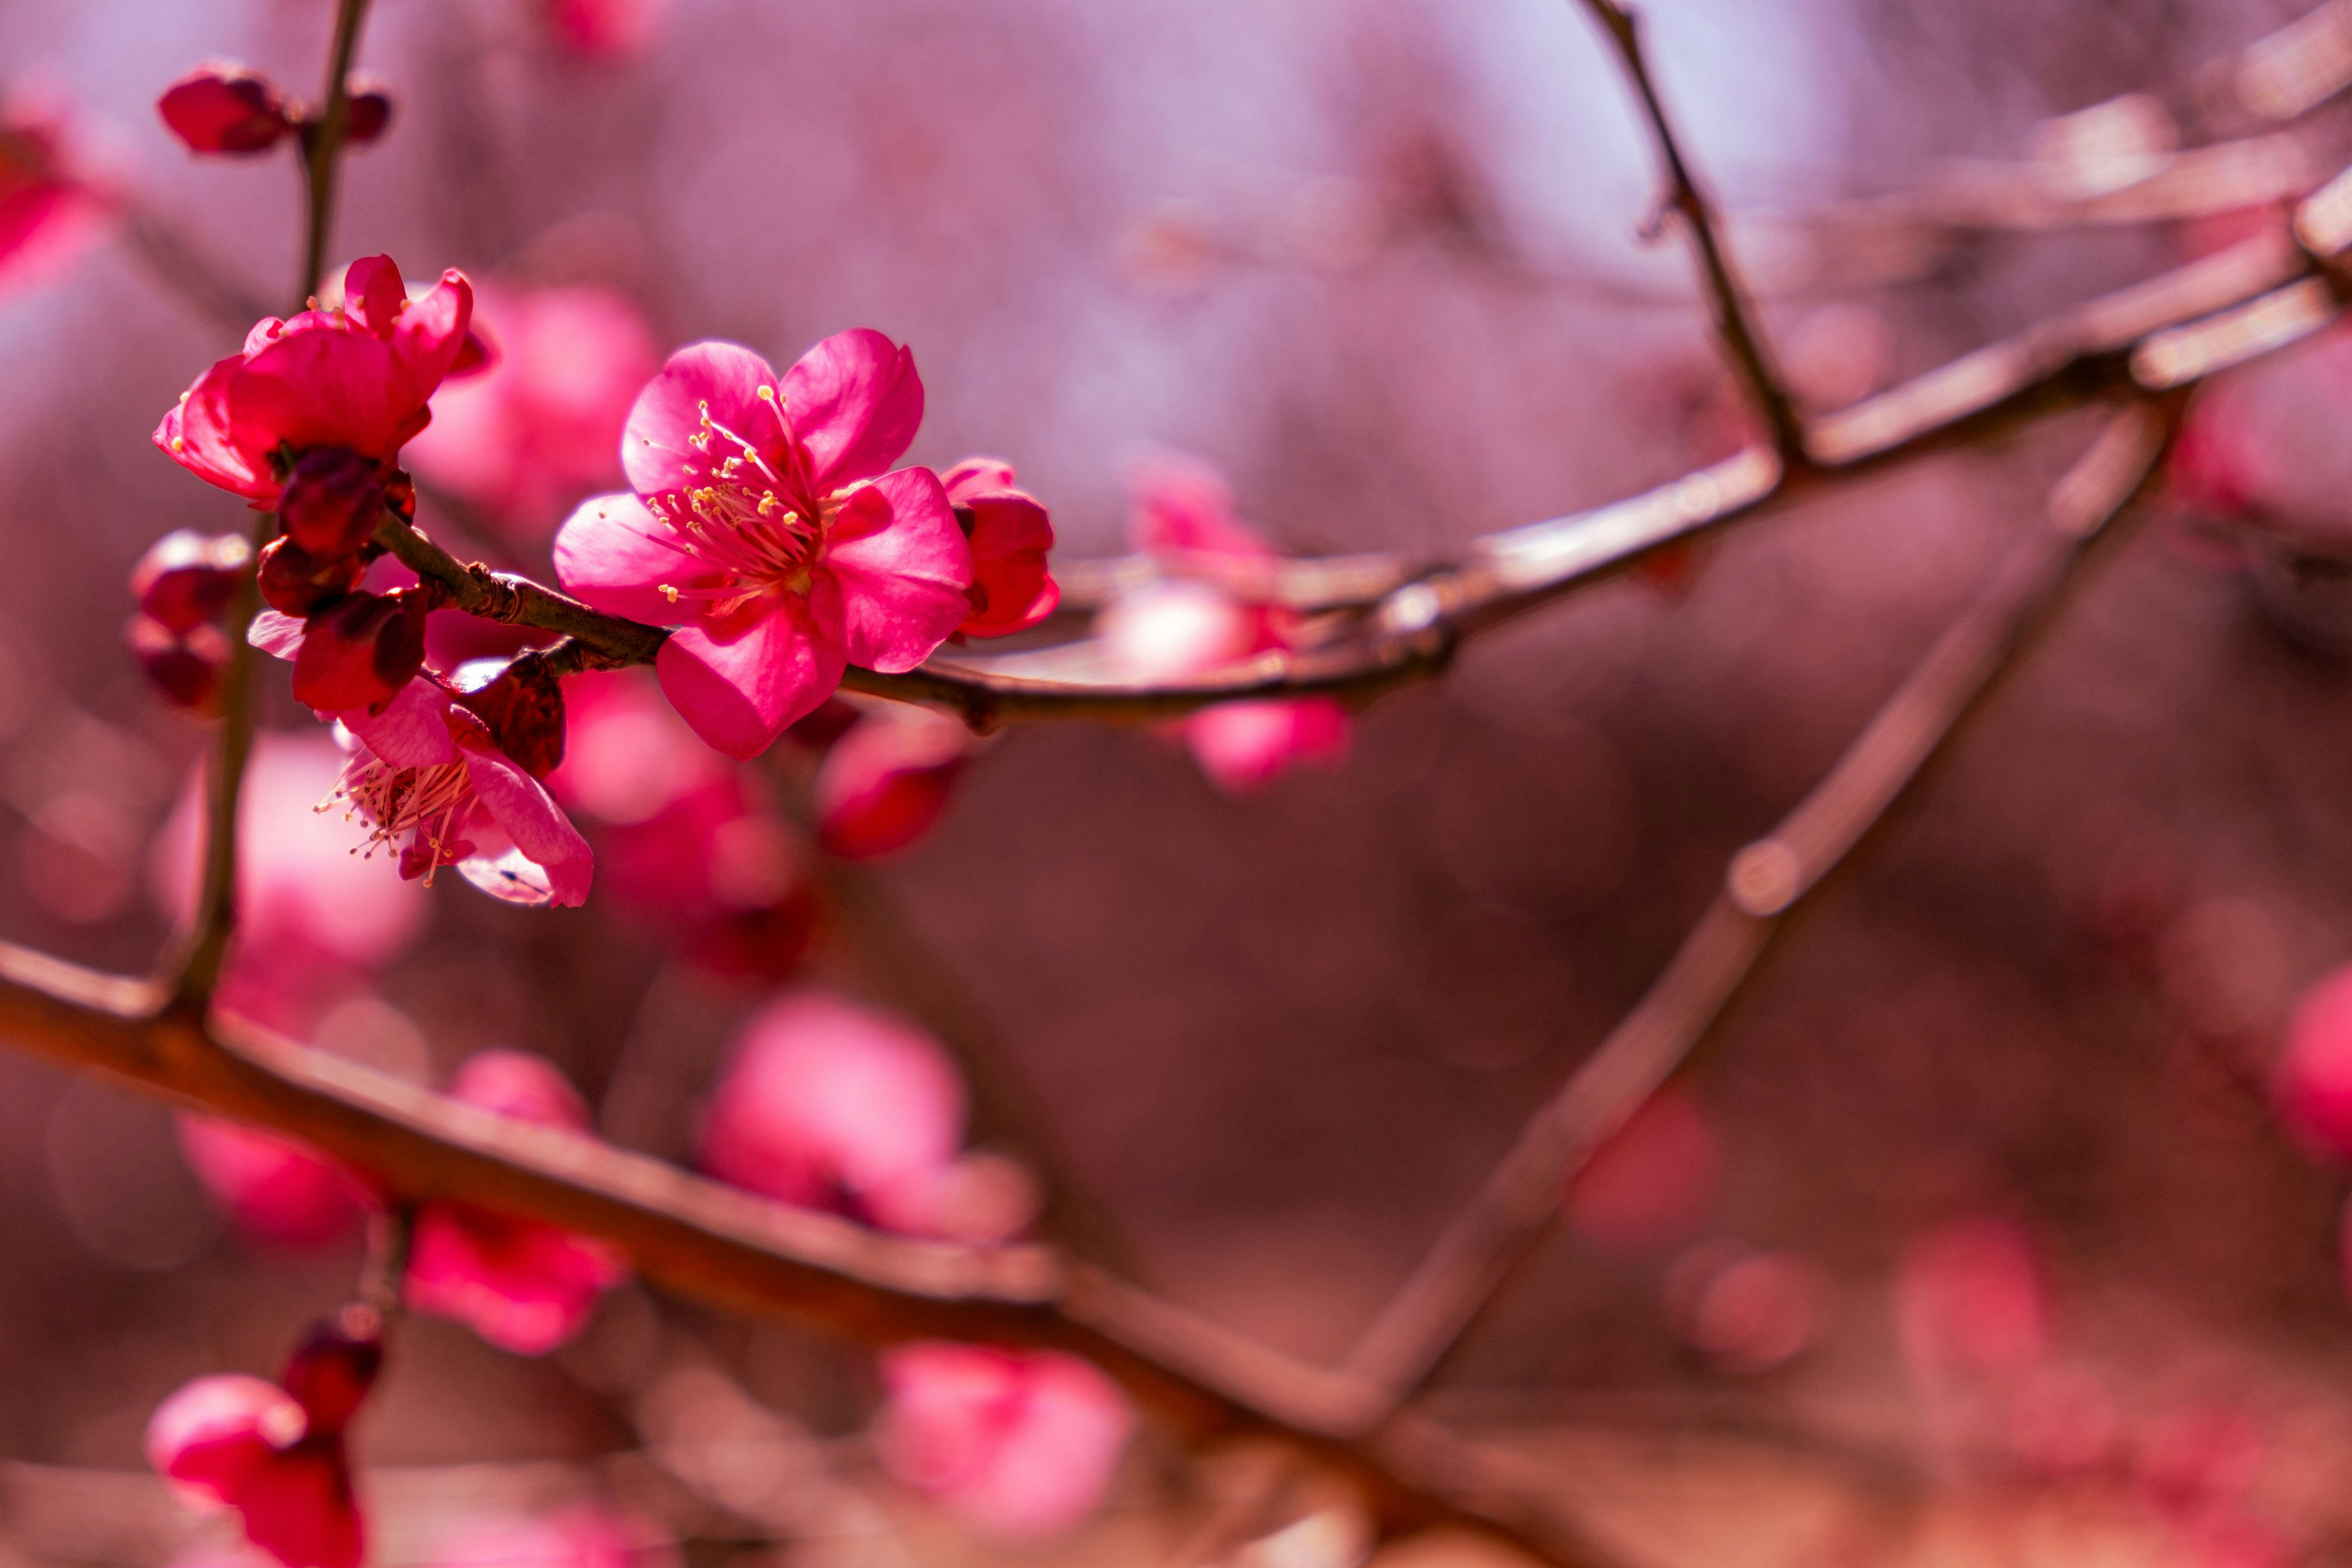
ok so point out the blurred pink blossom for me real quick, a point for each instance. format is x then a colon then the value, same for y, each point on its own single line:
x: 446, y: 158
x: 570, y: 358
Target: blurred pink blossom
x: 1969, y: 1297
x: 274, y: 1452
x: 768, y: 526
x: 1217, y: 610
x: 884, y: 783
x: 1651, y: 1182
x: 1019, y: 1444
x: 578, y: 1537
x: 221, y: 107
x: 48, y: 212
x: 277, y: 1190
x: 2311, y: 1082
x: 524, y: 1287
x: 530, y: 434
x: 607, y: 31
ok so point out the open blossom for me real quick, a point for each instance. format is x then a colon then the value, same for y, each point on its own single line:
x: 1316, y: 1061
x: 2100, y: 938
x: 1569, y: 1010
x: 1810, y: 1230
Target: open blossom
x: 887, y: 780
x: 827, y: 1104
x: 354, y: 378
x: 1020, y: 1443
x: 768, y: 526
x: 523, y: 1285
x: 1009, y: 534
x: 1216, y: 609
x: 542, y: 427
x: 274, y: 1452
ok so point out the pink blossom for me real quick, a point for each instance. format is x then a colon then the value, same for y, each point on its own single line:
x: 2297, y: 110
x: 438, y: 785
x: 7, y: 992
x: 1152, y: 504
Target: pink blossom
x: 183, y: 583
x: 354, y: 377
x: 768, y: 521
x: 277, y: 1191
x: 1216, y: 609
x: 1020, y: 1443
x: 2311, y: 1083
x: 604, y: 30
x: 224, y: 108
x: 523, y: 1285
x: 47, y: 212
x: 274, y: 1452
x: 1970, y: 1296
x: 542, y: 427
x: 827, y: 1104
x: 1009, y: 534
x: 1652, y: 1182
x: 430, y: 780
x: 884, y: 783
x: 577, y: 1537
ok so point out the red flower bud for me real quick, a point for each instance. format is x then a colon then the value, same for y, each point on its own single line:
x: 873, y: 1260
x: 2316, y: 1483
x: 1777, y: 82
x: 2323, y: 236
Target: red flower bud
x: 369, y: 112
x: 360, y: 651
x: 523, y: 706
x: 185, y: 578
x: 296, y: 582
x: 331, y: 502
x: 330, y: 1371
x: 885, y: 783
x: 222, y: 107
x: 184, y: 671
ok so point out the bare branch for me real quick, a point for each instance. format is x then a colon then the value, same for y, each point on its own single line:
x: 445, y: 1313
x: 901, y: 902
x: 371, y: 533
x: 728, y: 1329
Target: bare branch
x: 1764, y: 883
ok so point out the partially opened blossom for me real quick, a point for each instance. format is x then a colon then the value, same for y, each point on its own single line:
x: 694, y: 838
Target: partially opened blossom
x: 523, y: 1285
x: 220, y: 107
x: 273, y: 1453
x: 1215, y: 609
x: 534, y: 432
x: 1009, y: 534
x: 886, y: 781
x: 2311, y: 1083
x: 1020, y: 1443
x: 768, y: 526
x: 354, y: 378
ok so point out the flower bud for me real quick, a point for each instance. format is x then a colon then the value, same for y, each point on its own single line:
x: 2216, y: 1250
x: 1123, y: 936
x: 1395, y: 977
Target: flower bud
x: 330, y: 1371
x: 523, y: 706
x: 369, y: 111
x: 222, y: 107
x: 297, y: 583
x: 184, y: 671
x: 332, y: 499
x: 185, y: 578
x: 360, y: 651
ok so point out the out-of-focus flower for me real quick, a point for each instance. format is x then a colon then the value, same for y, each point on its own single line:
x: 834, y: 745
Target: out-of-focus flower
x: 1746, y: 1311
x: 354, y: 377
x: 607, y: 31
x: 430, y: 771
x: 1020, y: 1445
x: 2201, y: 1460
x: 528, y: 436
x: 184, y: 584
x: 1012, y: 587
x: 274, y: 1452
x: 1218, y: 610
x: 768, y: 527
x: 47, y: 211
x: 1651, y: 1183
x: 578, y: 1537
x: 523, y: 1285
x: 277, y: 1191
x: 2311, y: 1083
x: 221, y: 107
x: 368, y: 115
x: 884, y: 783
x: 1969, y: 1297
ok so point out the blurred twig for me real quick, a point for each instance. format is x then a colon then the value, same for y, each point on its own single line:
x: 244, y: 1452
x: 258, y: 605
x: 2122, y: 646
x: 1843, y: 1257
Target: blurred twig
x: 1763, y: 885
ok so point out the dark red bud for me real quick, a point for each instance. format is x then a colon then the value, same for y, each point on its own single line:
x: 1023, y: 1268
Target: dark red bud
x: 296, y: 582
x: 185, y: 578
x: 222, y: 107
x: 332, y: 499
x: 185, y: 671
x: 523, y: 706
x: 369, y: 112
x: 359, y: 651
x: 331, y: 1369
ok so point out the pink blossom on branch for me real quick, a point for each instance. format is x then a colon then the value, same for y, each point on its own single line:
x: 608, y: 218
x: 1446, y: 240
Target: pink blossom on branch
x: 768, y: 526
x: 1020, y: 1443
x: 1009, y: 534
x: 884, y: 782
x: 221, y: 107
x: 523, y: 1285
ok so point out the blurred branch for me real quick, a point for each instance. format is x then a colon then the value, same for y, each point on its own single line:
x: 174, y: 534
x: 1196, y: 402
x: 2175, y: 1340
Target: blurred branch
x: 1733, y: 320
x: 740, y: 1251
x: 216, y: 917
x: 1765, y: 883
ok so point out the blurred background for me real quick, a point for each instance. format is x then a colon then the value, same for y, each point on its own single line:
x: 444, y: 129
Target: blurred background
x: 1975, y: 1235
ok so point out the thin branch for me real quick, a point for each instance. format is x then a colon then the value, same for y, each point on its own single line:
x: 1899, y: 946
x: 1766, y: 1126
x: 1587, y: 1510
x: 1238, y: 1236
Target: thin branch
x: 1764, y: 884
x: 737, y: 1250
x: 1733, y: 318
x: 215, y: 917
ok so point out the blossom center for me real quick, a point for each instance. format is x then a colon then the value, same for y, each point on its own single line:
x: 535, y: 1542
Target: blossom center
x: 429, y: 802
x: 753, y: 514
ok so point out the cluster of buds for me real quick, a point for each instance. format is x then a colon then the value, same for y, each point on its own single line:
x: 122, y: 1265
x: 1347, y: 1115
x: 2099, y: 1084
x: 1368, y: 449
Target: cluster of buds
x: 221, y: 107
x: 358, y: 649
x: 183, y: 585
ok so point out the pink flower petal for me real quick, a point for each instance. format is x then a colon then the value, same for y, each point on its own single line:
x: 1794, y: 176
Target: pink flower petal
x: 210, y: 1438
x: 536, y: 824
x: 413, y: 730
x: 324, y: 388
x: 198, y: 435
x: 740, y: 685
x: 430, y: 334
x: 1182, y: 507
x: 856, y: 401
x: 614, y: 555
x: 1013, y: 589
x: 903, y: 567
x: 657, y: 447
x: 374, y: 294
x: 977, y: 476
x: 1245, y: 746
x: 1021, y: 1445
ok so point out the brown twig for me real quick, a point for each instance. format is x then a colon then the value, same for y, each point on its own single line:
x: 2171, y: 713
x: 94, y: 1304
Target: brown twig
x: 215, y: 917
x: 1763, y: 885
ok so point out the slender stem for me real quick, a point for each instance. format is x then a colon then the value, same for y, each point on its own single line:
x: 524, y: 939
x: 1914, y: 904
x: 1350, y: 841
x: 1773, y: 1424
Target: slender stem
x: 1764, y: 884
x: 323, y: 146
x: 391, y: 1234
x: 1733, y: 318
